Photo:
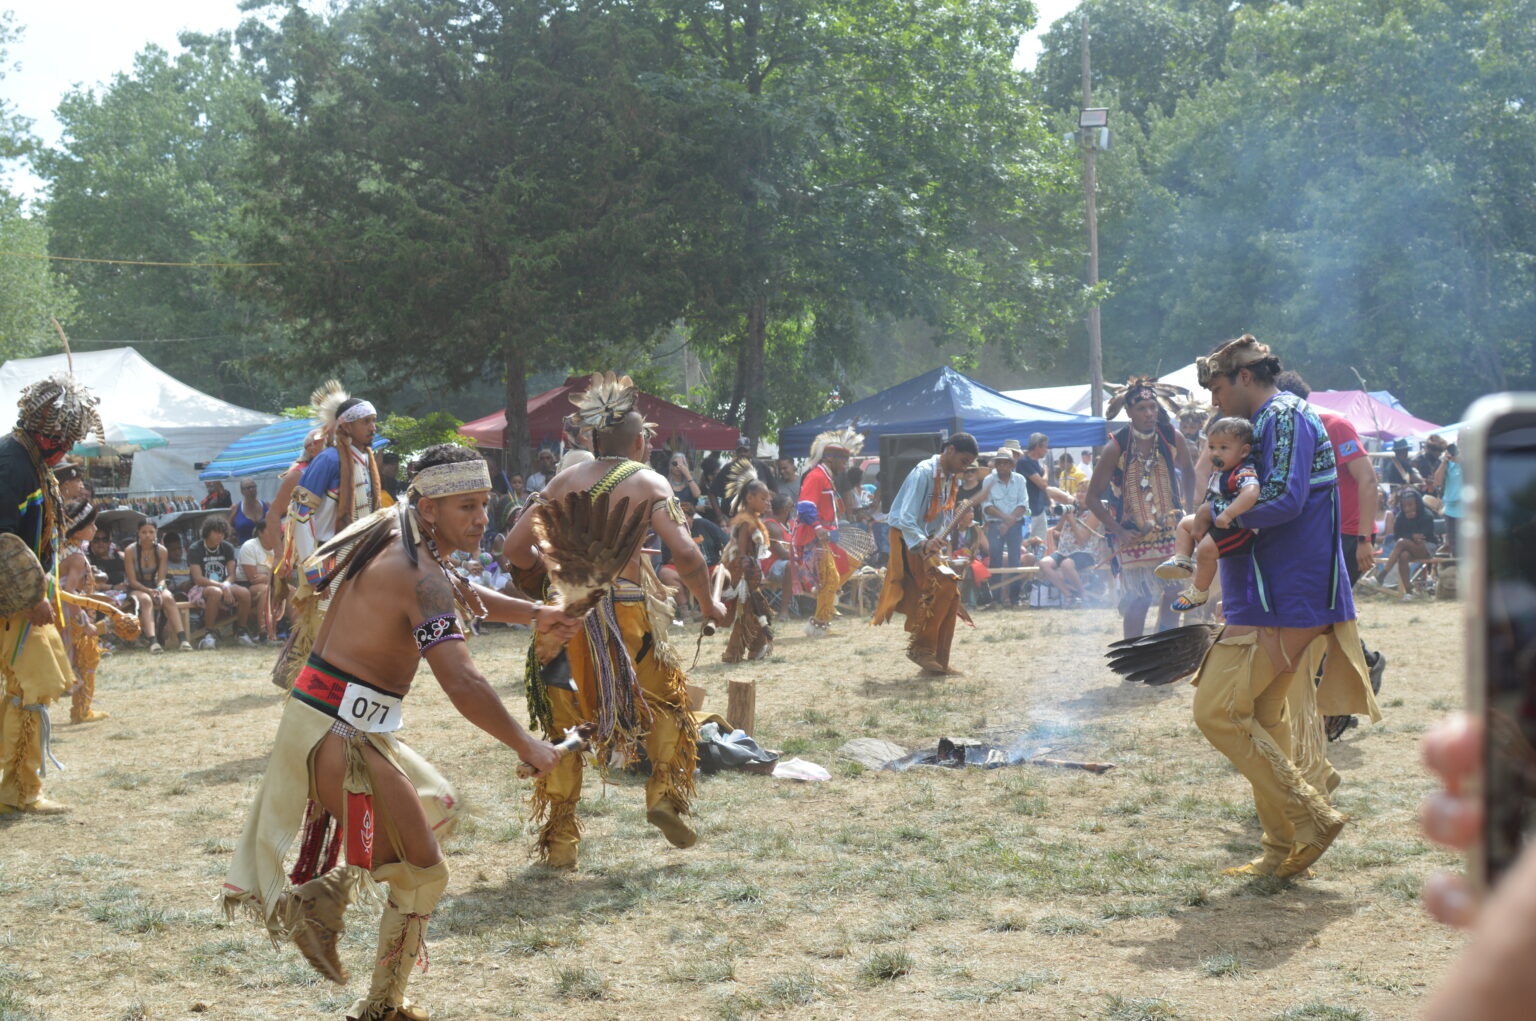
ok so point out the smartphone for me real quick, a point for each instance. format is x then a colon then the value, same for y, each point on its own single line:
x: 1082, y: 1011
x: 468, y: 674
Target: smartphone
x: 1499, y: 493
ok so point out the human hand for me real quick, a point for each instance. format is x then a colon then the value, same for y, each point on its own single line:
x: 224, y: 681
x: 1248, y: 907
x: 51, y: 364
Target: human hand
x: 539, y: 756
x: 1365, y: 555
x: 1453, y: 750
x: 554, y: 619
x: 930, y: 547
x: 41, y: 614
x: 1223, y: 520
x: 715, y: 611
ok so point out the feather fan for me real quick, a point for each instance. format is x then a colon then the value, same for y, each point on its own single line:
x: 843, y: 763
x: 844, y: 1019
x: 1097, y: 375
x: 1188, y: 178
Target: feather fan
x: 1164, y: 657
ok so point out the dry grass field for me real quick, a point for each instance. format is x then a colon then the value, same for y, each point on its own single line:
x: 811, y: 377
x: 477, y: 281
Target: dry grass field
x: 1014, y: 893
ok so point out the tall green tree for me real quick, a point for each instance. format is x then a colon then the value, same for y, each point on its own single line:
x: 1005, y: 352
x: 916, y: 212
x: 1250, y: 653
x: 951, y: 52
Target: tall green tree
x: 145, y: 173
x: 450, y: 189
x: 1354, y: 193
x: 30, y: 291
x: 880, y: 160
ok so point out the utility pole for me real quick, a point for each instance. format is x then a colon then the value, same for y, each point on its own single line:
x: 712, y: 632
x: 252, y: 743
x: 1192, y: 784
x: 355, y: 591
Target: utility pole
x: 1088, y: 141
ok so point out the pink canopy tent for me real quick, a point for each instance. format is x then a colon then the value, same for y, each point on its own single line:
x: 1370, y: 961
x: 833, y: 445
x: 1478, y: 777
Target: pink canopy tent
x: 545, y: 411
x: 1369, y: 416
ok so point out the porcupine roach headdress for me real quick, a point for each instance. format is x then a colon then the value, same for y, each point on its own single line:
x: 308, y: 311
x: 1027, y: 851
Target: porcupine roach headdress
x: 1139, y: 388
x: 848, y: 441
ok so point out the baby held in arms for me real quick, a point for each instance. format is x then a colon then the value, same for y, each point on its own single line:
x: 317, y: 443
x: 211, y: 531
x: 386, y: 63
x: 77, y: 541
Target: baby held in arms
x: 1210, y: 533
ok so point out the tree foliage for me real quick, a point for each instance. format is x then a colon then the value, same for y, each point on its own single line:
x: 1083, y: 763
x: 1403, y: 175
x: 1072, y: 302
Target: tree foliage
x: 1351, y: 190
x: 880, y: 160
x: 145, y: 174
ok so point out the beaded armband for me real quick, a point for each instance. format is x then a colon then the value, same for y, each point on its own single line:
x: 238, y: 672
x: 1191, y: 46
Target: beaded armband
x: 435, y: 630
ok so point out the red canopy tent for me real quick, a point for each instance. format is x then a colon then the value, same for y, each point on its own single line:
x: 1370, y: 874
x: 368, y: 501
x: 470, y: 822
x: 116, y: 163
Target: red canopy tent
x: 674, y: 424
x: 1369, y: 416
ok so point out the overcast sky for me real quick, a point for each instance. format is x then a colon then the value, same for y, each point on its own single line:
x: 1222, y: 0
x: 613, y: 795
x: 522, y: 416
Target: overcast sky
x: 72, y: 43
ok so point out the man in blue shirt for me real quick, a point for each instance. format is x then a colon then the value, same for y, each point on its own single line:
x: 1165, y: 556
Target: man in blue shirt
x: 1006, y: 504
x: 919, y: 583
x: 1287, y: 603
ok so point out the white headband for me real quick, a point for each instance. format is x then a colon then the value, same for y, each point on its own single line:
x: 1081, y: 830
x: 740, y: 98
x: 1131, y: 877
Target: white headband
x: 362, y: 409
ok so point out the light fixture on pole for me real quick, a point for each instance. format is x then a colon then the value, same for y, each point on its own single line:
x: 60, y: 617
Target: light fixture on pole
x: 1092, y: 135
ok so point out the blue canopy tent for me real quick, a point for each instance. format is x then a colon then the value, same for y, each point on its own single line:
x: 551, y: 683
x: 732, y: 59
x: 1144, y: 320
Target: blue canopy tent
x: 946, y: 401
x: 267, y: 451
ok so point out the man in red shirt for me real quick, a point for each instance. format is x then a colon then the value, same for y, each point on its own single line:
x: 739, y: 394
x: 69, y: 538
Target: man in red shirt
x: 816, y: 542
x: 1359, y: 493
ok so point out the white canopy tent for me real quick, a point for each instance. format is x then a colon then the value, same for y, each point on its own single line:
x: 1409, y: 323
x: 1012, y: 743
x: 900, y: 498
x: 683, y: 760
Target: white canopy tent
x: 1078, y: 397
x: 195, y: 425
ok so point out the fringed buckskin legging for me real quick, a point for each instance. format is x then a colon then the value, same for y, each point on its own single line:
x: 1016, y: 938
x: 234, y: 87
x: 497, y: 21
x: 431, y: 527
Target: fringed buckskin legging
x: 36, y: 671
x: 1246, y: 708
x: 670, y: 745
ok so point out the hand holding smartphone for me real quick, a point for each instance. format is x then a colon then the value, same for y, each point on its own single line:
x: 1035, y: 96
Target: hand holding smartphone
x: 1500, y: 614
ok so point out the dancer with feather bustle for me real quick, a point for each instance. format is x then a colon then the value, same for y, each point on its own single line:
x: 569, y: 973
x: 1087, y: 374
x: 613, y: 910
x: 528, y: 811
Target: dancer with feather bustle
x: 750, y: 546
x: 816, y: 548
x: 338, y: 773
x: 624, y: 675
x: 55, y: 414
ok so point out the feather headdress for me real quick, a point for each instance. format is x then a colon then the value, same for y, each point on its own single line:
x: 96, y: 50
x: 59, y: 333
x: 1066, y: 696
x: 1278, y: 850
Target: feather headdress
x: 1139, y: 388
x: 326, y: 402
x: 738, y: 478
x: 605, y: 402
x: 61, y: 407
x: 1193, y: 407
x: 833, y: 441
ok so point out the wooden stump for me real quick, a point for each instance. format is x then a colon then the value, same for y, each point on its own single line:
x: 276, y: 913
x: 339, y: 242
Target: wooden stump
x: 741, y: 705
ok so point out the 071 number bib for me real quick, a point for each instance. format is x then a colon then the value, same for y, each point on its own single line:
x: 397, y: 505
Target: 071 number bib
x: 369, y: 709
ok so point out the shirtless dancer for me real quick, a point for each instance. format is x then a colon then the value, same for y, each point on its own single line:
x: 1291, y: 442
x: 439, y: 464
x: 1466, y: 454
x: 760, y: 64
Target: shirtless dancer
x: 394, y: 603
x: 626, y: 675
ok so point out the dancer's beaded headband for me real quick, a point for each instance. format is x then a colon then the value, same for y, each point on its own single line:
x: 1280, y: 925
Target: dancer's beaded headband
x: 452, y: 479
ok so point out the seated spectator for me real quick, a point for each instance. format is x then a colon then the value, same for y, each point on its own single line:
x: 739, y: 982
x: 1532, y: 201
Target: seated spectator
x: 147, y: 564
x: 254, y: 562
x: 1073, y: 549
x: 212, y: 562
x: 1414, y: 528
x: 711, y: 539
x: 111, y: 575
x: 178, y: 573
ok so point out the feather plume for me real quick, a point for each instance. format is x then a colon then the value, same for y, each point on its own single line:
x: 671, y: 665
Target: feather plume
x: 850, y: 440
x: 1164, y: 657
x: 326, y: 400
x: 605, y: 401
x: 586, y: 542
x: 738, y: 477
